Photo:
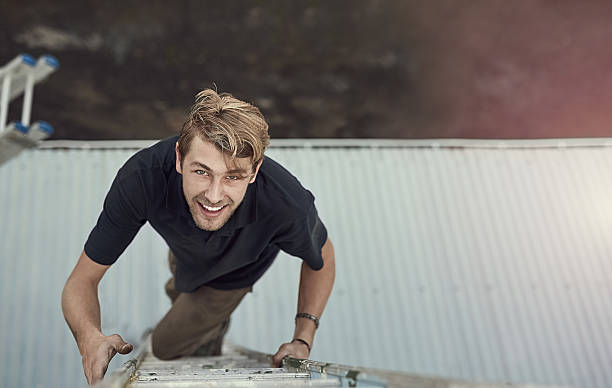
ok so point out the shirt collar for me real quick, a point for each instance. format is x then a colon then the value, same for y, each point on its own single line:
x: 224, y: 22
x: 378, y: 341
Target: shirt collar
x: 175, y: 198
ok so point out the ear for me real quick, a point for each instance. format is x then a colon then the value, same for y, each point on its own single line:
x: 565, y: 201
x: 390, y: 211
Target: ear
x: 179, y: 168
x: 256, y: 171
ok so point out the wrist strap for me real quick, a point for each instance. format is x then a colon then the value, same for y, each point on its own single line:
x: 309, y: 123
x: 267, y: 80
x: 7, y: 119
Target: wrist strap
x: 302, y: 341
x: 308, y: 316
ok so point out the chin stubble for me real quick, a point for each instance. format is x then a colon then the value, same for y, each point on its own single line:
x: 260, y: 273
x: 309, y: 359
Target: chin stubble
x: 196, y: 215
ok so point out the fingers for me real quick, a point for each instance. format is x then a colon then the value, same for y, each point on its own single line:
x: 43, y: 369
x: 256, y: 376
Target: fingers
x: 125, y: 349
x: 97, y: 356
x: 280, y: 354
x: 293, y: 349
x: 283, y: 351
x: 119, y: 344
x: 277, y: 359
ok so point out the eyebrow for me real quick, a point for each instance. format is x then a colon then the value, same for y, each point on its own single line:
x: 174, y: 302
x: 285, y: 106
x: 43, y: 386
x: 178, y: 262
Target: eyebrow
x: 205, y: 167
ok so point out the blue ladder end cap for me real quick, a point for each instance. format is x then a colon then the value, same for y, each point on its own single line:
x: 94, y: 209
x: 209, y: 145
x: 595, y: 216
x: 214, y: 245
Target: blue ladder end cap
x: 20, y: 127
x: 28, y: 59
x: 51, y: 61
x: 45, y: 127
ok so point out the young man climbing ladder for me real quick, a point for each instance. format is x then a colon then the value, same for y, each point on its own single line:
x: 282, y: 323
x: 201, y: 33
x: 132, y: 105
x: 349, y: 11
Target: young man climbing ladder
x: 225, y: 211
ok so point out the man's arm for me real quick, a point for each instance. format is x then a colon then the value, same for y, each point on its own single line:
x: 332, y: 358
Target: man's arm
x: 315, y: 288
x: 82, y: 313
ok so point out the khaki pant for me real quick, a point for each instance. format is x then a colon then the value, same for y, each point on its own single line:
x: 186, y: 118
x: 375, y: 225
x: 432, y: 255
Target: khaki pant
x: 195, y: 319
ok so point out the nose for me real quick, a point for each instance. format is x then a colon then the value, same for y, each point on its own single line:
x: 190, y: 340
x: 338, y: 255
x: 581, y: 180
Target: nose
x: 214, y: 194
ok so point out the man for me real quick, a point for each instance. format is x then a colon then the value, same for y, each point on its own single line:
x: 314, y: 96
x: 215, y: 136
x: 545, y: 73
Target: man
x: 225, y: 211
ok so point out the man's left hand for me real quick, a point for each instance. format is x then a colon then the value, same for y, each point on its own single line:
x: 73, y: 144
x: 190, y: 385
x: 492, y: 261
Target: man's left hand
x: 295, y: 349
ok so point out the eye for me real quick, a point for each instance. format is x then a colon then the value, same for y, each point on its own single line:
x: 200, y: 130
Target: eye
x: 201, y: 172
x: 233, y: 178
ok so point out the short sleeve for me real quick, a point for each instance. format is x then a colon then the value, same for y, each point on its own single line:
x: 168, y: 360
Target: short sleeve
x: 304, y: 238
x: 123, y: 214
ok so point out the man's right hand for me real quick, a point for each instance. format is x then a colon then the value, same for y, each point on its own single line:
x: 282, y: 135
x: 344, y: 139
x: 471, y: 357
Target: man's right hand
x: 97, y: 351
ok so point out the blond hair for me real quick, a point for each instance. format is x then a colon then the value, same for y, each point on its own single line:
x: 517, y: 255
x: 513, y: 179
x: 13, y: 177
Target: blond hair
x: 235, y: 127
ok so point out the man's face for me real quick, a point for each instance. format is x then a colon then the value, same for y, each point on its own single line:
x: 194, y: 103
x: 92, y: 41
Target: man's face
x: 213, y: 183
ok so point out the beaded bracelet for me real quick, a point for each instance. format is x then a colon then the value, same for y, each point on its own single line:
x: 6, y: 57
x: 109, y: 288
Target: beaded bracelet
x: 308, y: 316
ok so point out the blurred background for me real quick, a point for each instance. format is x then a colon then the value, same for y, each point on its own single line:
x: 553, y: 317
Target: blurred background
x: 331, y: 69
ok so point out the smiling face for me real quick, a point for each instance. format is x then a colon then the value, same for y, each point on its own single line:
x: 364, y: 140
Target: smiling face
x: 214, y: 184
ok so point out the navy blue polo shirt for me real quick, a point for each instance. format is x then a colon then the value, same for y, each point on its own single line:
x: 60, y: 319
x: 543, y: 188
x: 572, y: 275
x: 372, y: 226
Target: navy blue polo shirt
x: 277, y: 212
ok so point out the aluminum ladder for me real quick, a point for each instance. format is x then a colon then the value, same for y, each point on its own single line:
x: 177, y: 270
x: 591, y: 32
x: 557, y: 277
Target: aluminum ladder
x: 19, y: 77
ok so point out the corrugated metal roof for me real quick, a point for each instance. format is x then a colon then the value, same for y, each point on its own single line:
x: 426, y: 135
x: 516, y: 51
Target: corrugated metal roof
x: 481, y: 263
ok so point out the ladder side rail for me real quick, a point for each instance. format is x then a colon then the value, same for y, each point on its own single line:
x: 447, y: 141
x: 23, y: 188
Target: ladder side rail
x: 26, y: 110
x: 4, y: 100
x: 20, y: 66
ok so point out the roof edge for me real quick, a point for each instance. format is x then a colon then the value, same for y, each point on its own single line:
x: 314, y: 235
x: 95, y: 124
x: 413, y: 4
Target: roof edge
x: 358, y: 143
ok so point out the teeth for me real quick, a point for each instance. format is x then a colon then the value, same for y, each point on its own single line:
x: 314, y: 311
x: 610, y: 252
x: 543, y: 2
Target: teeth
x: 212, y: 209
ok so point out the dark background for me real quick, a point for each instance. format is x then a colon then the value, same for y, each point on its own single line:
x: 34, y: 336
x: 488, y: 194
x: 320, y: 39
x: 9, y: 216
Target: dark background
x: 359, y: 68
